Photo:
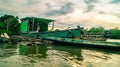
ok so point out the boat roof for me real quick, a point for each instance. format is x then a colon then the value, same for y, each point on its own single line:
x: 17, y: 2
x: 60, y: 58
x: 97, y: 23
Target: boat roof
x: 40, y: 20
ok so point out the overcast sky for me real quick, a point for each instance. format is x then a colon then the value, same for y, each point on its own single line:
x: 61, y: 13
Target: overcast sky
x: 67, y: 13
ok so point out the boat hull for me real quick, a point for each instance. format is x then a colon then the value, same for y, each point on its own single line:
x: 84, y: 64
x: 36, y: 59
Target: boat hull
x: 81, y: 44
x: 60, y: 33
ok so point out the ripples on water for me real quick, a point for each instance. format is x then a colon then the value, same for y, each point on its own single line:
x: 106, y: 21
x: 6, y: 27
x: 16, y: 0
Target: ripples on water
x: 12, y: 55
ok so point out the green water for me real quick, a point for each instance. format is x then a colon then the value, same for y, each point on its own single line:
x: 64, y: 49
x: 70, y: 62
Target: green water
x: 15, y: 55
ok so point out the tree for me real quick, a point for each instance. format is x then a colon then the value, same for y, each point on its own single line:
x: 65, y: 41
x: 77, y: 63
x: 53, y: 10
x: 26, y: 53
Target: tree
x: 96, y: 30
x: 2, y: 27
x: 10, y: 24
x: 115, y: 33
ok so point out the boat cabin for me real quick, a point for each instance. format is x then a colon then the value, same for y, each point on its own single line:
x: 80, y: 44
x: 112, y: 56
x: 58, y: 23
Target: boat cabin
x: 38, y: 27
x: 33, y: 24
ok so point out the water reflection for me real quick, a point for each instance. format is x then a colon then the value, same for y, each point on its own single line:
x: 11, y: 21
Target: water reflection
x: 46, y: 55
x: 38, y: 51
x: 75, y: 52
x: 73, y: 56
x: 7, y: 50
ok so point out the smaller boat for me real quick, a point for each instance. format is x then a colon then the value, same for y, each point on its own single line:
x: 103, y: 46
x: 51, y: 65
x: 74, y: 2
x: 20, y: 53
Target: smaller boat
x: 82, y: 43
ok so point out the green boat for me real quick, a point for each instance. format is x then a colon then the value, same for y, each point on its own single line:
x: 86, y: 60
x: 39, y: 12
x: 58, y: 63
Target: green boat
x: 38, y: 27
x: 83, y: 43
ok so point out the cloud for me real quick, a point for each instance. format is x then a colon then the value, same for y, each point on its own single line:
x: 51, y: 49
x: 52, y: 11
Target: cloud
x: 86, y: 13
x: 37, y: 7
x: 90, y: 5
x: 63, y: 10
x: 89, y: 20
x: 117, y: 14
x: 32, y: 2
x: 115, y: 1
x: 4, y: 11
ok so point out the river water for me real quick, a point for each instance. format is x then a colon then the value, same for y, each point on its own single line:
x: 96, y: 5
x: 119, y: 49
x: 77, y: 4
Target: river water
x: 46, y: 55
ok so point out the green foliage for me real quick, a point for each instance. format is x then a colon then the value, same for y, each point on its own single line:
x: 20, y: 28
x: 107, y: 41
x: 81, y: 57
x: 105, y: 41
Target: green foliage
x: 85, y: 31
x: 2, y: 25
x: 115, y: 33
x: 9, y: 24
x: 14, y: 27
x: 96, y: 30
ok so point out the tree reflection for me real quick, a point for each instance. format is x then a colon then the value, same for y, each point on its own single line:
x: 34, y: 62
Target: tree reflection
x: 38, y: 51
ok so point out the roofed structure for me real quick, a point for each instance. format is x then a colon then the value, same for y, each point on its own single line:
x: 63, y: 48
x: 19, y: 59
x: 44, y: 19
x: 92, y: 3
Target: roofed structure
x: 35, y: 24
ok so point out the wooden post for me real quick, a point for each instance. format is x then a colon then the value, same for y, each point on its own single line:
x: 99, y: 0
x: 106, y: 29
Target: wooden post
x: 32, y: 24
x: 53, y: 25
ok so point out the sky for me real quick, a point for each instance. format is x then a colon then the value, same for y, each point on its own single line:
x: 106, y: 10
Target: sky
x: 67, y: 13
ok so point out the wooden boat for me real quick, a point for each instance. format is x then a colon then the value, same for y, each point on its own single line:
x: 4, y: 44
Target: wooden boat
x: 82, y: 43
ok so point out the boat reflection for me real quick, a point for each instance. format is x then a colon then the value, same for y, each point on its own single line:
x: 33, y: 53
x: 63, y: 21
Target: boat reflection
x: 75, y: 52
x: 37, y: 51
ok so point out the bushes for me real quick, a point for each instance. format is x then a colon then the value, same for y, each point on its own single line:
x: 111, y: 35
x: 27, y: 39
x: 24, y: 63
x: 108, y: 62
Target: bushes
x: 115, y: 33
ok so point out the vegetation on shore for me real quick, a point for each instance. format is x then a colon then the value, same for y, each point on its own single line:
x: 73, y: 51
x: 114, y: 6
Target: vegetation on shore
x: 9, y: 24
x: 113, y: 33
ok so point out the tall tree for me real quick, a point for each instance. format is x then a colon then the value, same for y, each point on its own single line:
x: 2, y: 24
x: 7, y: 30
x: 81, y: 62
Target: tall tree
x: 10, y: 23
